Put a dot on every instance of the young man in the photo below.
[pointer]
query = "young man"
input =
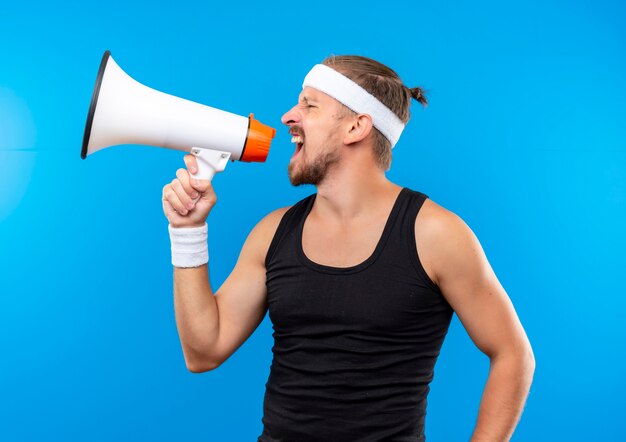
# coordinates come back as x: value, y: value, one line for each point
x: 361, y: 279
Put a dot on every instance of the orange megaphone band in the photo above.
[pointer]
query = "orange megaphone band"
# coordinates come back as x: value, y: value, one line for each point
x: 258, y: 141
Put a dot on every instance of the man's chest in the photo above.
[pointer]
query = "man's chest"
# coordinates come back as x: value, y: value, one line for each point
x: 341, y: 246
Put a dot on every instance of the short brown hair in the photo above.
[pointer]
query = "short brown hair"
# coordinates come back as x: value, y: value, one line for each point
x: 384, y: 84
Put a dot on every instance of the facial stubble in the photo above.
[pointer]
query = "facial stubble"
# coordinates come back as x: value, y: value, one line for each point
x: 314, y: 172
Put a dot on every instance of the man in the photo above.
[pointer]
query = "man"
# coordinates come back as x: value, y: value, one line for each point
x: 360, y: 279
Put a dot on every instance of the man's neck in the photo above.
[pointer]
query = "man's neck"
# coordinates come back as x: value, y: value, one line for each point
x: 351, y: 193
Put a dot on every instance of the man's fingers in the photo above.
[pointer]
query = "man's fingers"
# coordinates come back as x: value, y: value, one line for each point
x: 185, y: 199
x: 168, y: 209
x: 171, y: 195
x: 191, y: 163
x: 184, y: 178
x: 202, y: 186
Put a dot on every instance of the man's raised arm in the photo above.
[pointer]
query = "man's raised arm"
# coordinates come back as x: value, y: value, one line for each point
x: 212, y: 326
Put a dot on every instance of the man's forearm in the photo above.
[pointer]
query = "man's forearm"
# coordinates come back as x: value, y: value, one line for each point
x: 504, y: 396
x: 196, y: 316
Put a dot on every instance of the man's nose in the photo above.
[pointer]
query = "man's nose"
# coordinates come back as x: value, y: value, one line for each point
x: 291, y: 117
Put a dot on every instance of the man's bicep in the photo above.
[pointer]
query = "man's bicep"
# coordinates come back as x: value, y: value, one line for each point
x: 242, y: 298
x: 471, y: 287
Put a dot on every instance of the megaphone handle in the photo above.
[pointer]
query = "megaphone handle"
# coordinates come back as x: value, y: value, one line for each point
x: 209, y: 161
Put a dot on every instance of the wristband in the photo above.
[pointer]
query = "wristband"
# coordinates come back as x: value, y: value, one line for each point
x: 189, y: 246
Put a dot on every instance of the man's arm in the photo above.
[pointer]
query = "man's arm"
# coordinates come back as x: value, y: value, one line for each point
x: 467, y: 281
x: 212, y: 327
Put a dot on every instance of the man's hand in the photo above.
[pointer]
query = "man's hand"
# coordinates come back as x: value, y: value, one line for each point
x: 187, y: 201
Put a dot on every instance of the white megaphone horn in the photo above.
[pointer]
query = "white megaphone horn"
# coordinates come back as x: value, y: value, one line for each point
x: 124, y: 111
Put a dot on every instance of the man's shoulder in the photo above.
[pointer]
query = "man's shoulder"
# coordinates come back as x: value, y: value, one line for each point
x: 260, y: 238
x: 272, y: 219
x: 440, y: 224
x: 269, y: 223
x: 438, y: 233
x: 436, y: 219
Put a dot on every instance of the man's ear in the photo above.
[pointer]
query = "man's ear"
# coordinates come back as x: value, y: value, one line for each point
x: 359, y: 130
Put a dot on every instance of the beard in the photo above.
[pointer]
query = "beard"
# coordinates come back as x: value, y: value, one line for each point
x: 313, y: 172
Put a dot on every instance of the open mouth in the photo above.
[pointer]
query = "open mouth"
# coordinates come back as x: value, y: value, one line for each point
x: 299, y: 142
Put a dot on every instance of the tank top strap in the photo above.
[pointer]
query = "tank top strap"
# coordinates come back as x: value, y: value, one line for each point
x: 288, y: 224
x: 411, y: 205
x: 401, y: 246
x: 405, y: 212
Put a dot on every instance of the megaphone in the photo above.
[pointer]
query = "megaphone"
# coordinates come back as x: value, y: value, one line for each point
x: 124, y: 111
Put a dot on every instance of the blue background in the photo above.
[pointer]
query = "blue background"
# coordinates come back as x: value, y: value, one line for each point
x: 524, y: 138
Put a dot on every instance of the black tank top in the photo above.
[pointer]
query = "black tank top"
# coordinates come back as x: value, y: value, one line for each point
x: 355, y: 347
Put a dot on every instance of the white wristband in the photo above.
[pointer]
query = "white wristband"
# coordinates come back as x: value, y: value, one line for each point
x: 189, y: 246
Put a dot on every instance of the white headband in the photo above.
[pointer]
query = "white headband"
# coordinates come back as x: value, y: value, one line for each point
x: 350, y: 94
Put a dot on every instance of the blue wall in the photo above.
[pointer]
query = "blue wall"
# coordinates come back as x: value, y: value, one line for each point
x: 524, y: 139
